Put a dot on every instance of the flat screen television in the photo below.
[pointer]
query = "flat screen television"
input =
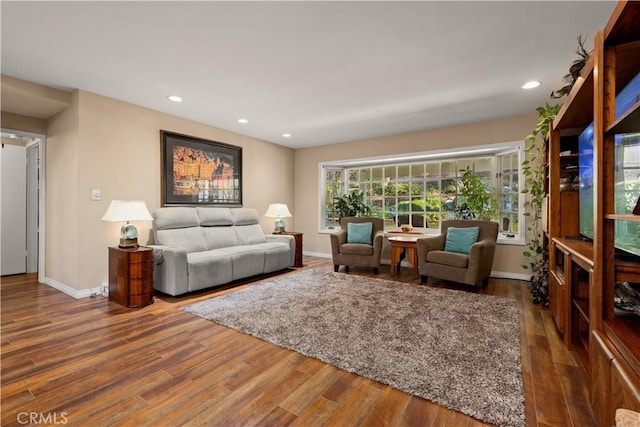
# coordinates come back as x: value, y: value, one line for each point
x: 626, y: 188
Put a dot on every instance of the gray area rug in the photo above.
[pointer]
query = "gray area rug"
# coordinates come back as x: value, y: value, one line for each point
x: 458, y: 349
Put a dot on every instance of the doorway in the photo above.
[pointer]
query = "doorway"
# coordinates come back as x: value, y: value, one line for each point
x: 22, y: 203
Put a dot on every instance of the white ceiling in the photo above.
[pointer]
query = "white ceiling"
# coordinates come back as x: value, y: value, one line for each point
x: 325, y: 72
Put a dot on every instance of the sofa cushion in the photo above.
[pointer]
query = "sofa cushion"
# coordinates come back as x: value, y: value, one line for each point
x: 277, y: 255
x: 208, y: 269
x: 460, y: 239
x: 359, y: 232
x: 248, y: 263
x: 356, y: 249
x: 245, y: 216
x: 219, y: 237
x: 249, y: 234
x: 191, y: 238
x: 452, y: 259
x: 246, y: 260
x: 169, y: 218
x: 214, y: 217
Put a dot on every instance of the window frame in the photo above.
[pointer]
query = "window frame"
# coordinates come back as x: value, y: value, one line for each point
x: 463, y: 153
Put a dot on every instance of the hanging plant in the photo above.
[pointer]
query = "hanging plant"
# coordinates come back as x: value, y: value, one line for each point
x: 533, y: 169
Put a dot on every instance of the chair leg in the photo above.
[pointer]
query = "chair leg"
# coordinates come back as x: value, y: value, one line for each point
x: 336, y: 267
x: 423, y: 279
x: 376, y: 270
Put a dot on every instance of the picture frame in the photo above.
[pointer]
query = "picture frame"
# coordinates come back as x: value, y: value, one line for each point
x: 199, y: 172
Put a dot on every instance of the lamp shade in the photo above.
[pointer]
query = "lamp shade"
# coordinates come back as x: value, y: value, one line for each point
x: 127, y: 210
x: 278, y: 210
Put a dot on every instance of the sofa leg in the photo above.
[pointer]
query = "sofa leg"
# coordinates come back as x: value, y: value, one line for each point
x: 423, y: 279
x: 376, y: 270
x: 336, y: 267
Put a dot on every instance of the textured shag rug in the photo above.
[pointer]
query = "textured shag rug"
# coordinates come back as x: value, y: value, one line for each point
x: 458, y: 349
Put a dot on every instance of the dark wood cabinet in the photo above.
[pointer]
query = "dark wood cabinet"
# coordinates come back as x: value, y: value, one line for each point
x: 131, y: 276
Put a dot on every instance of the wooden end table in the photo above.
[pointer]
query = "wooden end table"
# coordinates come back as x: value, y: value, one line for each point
x: 131, y: 276
x: 404, y: 247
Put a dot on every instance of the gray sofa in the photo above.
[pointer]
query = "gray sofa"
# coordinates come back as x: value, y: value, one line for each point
x: 197, y: 248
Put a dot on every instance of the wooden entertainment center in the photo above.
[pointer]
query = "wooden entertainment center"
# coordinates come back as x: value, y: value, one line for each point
x: 582, y: 274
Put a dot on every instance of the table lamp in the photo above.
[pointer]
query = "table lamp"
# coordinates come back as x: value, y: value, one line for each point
x: 127, y: 210
x: 279, y: 211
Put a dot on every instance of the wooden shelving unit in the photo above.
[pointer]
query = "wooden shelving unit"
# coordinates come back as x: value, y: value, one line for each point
x: 582, y: 275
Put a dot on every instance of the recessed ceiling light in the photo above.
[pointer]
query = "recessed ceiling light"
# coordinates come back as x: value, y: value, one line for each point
x: 286, y: 135
x: 243, y: 121
x: 531, y: 84
x: 174, y: 98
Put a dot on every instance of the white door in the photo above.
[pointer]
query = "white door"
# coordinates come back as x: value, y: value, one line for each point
x: 13, y: 250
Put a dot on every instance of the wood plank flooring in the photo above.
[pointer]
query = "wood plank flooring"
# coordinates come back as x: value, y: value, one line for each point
x: 94, y: 362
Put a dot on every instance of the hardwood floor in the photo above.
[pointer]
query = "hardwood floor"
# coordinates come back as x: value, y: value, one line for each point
x: 94, y: 362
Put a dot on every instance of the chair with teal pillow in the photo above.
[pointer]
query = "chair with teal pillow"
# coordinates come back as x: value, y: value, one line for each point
x: 358, y: 243
x: 462, y: 253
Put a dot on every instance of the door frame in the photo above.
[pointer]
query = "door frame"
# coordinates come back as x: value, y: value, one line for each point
x: 41, y: 196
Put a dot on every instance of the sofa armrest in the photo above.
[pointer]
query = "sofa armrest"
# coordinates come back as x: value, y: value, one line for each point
x: 170, y: 274
x: 284, y: 238
x: 427, y: 244
x: 481, y: 258
x: 378, y: 239
x: 338, y: 238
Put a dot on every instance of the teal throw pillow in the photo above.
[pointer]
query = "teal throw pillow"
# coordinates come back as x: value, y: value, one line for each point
x: 359, y: 232
x: 460, y: 239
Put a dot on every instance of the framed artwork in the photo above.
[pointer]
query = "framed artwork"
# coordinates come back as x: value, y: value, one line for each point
x: 199, y: 172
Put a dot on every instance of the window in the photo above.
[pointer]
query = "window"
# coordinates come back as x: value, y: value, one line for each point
x: 423, y: 189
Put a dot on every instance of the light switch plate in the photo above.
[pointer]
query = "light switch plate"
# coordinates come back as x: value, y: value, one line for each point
x: 96, y: 194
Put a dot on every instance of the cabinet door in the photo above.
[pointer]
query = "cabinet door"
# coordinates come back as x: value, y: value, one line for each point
x: 601, y: 358
x: 627, y: 389
x: 557, y: 301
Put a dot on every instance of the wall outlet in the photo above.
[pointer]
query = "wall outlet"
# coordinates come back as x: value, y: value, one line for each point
x: 96, y: 194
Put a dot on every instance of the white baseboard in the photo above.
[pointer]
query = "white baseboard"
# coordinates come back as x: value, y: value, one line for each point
x: 510, y: 275
x: 317, y: 254
x: 72, y: 292
x: 496, y: 274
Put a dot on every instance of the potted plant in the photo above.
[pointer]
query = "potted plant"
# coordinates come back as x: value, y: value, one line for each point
x: 533, y: 169
x: 351, y: 204
x: 480, y: 199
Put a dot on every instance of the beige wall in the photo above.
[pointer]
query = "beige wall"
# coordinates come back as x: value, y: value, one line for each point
x: 23, y: 123
x: 61, y: 202
x: 114, y: 146
x: 508, y: 257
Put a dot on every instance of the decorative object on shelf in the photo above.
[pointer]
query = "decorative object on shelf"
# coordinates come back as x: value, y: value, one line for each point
x: 279, y: 211
x: 480, y: 199
x: 199, y: 172
x: 533, y: 168
x: 127, y: 210
x: 406, y: 228
x: 626, y: 299
x: 351, y: 204
x: 574, y: 70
